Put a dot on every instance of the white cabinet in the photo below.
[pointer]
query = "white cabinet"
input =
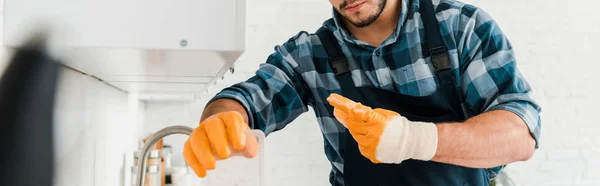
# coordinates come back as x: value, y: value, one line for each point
x: 154, y: 48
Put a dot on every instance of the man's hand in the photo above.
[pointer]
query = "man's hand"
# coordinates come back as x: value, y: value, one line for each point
x: 384, y: 136
x: 221, y: 134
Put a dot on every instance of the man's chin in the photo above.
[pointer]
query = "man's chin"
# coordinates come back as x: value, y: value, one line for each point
x: 360, y: 23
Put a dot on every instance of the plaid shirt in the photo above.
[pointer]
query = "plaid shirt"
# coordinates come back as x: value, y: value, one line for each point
x: 480, y: 55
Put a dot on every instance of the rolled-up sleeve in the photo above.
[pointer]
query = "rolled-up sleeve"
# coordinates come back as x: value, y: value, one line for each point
x: 489, y: 74
x: 276, y: 94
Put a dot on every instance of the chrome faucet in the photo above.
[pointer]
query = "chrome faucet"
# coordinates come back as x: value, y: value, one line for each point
x: 141, y: 173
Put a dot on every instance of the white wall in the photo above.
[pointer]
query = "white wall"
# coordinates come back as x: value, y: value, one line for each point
x: 556, y: 44
x: 556, y: 47
x: 95, y: 126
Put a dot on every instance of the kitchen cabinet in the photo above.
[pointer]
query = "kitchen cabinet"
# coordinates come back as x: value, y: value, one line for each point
x: 156, y: 49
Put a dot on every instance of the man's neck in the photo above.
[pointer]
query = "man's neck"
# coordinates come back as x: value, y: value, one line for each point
x: 382, y: 28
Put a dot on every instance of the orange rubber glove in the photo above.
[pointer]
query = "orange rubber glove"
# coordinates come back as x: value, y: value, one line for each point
x: 384, y: 136
x: 218, y: 137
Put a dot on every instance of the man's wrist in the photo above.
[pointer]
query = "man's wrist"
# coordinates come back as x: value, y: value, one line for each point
x: 222, y: 105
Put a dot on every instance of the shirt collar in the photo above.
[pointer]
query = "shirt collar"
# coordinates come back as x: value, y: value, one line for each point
x: 342, y: 33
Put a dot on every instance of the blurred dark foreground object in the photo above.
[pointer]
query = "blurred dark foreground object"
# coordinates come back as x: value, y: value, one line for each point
x: 27, y: 90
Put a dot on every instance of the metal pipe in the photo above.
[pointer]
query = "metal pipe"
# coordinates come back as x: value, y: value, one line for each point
x: 141, y: 173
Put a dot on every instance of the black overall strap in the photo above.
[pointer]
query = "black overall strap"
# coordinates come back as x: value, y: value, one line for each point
x: 438, y: 52
x: 337, y: 59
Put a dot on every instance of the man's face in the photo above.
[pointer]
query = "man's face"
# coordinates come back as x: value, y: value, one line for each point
x: 360, y: 13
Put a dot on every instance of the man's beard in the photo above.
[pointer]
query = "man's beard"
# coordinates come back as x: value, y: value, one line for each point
x: 369, y: 20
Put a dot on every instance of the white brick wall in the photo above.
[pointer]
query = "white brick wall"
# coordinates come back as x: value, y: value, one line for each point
x: 556, y: 44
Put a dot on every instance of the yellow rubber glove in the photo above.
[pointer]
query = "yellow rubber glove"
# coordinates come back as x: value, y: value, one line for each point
x: 218, y: 137
x: 384, y: 136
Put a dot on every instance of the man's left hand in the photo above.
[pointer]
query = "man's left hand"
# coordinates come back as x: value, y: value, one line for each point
x: 384, y: 136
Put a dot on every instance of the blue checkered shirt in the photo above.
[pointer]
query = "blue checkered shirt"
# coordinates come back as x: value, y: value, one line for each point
x: 290, y: 81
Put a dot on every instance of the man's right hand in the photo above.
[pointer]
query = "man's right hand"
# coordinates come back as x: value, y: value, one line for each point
x: 218, y: 137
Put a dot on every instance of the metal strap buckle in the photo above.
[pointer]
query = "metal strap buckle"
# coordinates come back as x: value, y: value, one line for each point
x: 440, y: 58
x: 339, y: 65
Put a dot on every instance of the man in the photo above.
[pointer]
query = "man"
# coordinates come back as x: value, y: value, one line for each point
x: 406, y: 92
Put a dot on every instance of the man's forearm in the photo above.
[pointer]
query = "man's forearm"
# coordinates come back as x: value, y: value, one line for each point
x: 222, y: 105
x: 491, y: 139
